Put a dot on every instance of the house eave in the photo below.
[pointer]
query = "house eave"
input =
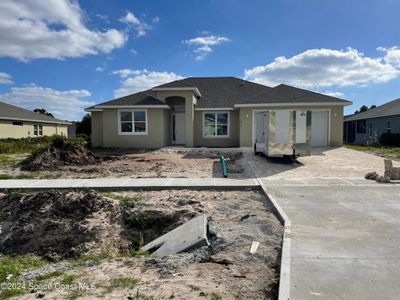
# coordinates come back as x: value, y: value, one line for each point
x: 100, y: 107
x: 294, y: 104
x: 35, y: 121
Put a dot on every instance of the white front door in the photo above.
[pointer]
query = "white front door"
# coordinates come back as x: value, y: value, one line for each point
x: 178, y: 128
x: 319, y: 128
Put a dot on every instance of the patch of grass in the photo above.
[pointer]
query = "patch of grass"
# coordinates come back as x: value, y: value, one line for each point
x: 215, y: 296
x: 383, y: 151
x: 194, y: 288
x: 24, y: 145
x: 8, y: 161
x: 123, y: 199
x: 123, y: 282
x: 55, y: 273
x: 74, y: 294
x: 20, y: 176
x: 16, y: 265
x: 69, y: 279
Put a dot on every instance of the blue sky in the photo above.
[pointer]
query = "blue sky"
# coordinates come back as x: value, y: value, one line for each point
x: 66, y: 55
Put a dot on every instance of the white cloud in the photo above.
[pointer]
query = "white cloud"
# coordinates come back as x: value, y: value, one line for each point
x: 139, y: 26
x: 332, y: 93
x: 326, y: 67
x: 65, y: 105
x: 133, y: 51
x: 31, y: 29
x: 204, y: 44
x: 392, y: 56
x: 5, y: 78
x: 99, y: 69
x: 123, y: 73
x: 142, y: 80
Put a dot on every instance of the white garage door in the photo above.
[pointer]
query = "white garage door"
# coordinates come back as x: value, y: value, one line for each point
x: 319, y: 128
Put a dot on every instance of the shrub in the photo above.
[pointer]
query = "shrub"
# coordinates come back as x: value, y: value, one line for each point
x: 390, y: 139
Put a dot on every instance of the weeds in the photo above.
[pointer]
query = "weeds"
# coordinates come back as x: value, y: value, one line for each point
x: 383, y: 151
x: 125, y: 200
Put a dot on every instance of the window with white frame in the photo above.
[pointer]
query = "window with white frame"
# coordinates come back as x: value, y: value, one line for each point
x: 38, y: 130
x: 388, y: 126
x: 215, y: 124
x: 133, y: 122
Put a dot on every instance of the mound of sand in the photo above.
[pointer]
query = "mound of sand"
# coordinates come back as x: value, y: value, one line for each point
x: 60, y: 153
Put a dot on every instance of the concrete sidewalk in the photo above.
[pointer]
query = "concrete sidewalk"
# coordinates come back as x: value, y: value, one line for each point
x: 130, y: 183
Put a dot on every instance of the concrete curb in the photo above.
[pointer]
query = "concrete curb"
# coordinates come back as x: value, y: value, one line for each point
x: 284, y: 281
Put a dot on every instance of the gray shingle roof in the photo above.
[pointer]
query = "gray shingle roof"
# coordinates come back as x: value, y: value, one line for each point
x: 388, y: 109
x: 11, y: 112
x: 289, y: 94
x: 142, y: 98
x: 217, y: 92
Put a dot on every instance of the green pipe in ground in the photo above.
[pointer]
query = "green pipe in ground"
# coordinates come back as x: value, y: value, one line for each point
x: 223, y: 165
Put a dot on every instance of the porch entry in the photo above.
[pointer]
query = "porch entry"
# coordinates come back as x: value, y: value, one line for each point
x: 178, y: 128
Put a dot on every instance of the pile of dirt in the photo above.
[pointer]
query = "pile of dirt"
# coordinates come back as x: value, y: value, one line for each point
x: 63, y: 224
x: 58, y: 224
x: 60, y: 153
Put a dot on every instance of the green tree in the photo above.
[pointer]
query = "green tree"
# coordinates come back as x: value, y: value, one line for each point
x: 85, y: 125
x: 364, y: 108
x: 43, y: 112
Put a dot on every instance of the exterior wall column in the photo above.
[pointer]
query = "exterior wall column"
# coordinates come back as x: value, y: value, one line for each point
x: 189, y: 121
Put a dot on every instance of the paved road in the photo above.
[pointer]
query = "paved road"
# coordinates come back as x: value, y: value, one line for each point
x: 345, y: 240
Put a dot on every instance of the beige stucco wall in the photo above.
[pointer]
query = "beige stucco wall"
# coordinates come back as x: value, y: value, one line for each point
x: 190, y: 101
x: 232, y: 141
x: 157, y: 136
x: 97, y: 129
x: 8, y: 130
x: 335, y: 126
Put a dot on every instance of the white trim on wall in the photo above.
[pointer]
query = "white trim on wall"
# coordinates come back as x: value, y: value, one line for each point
x: 133, y: 122
x: 215, y: 109
x: 216, y: 136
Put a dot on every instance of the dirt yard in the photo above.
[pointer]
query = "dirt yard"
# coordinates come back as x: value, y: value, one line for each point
x: 199, y: 163
x: 90, y: 242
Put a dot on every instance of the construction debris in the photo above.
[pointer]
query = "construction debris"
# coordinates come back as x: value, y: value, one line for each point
x: 254, y: 247
x: 371, y: 175
x: 391, y: 172
x: 191, y: 235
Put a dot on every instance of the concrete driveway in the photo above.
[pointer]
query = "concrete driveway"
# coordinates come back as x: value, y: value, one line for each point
x: 345, y: 241
x: 345, y: 234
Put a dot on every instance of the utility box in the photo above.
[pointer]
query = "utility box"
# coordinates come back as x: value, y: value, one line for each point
x: 280, y: 133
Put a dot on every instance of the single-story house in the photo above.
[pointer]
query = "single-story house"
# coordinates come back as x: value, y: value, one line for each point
x: 16, y: 122
x: 368, y: 126
x: 209, y: 112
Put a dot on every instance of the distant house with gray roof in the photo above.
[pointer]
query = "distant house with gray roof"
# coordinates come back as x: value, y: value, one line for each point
x: 17, y: 122
x: 367, y: 127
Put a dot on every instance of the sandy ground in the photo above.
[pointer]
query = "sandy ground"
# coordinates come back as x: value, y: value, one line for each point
x: 230, y: 272
x: 159, y: 164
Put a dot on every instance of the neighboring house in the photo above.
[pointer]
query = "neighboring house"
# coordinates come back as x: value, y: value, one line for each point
x: 16, y: 122
x: 368, y: 126
x: 209, y: 112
